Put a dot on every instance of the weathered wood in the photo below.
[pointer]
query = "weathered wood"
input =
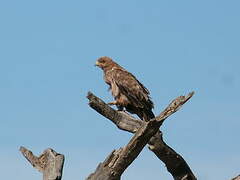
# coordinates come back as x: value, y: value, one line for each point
x: 50, y: 163
x: 236, y: 178
x: 118, y: 161
x: 174, y: 162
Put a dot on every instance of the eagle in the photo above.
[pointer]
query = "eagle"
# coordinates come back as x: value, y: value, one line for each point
x: 127, y: 91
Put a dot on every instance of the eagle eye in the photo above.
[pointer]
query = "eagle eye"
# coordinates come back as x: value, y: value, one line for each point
x: 102, y: 60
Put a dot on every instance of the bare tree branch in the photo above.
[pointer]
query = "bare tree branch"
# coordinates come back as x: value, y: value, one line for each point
x: 119, y: 160
x: 236, y: 178
x: 50, y: 163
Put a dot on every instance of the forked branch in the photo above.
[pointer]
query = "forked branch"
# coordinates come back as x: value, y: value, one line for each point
x: 118, y: 161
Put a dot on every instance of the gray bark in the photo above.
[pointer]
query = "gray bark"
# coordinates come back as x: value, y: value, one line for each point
x: 146, y: 132
x: 49, y: 163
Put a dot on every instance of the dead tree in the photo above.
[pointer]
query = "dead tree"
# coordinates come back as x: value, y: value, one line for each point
x: 50, y: 163
x: 145, y: 132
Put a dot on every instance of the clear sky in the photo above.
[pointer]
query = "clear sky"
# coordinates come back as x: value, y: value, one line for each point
x: 47, y: 55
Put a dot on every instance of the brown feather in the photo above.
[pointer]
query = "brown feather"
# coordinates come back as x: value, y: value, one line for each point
x: 126, y: 89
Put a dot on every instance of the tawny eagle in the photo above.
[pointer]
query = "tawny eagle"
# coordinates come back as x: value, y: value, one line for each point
x: 127, y: 91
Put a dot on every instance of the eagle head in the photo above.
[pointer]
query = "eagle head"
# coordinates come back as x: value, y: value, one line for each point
x: 104, y: 62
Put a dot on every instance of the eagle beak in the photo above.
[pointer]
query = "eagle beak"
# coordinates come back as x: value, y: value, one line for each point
x: 97, y: 63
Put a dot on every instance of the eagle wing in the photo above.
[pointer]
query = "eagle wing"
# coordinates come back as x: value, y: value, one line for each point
x: 127, y: 84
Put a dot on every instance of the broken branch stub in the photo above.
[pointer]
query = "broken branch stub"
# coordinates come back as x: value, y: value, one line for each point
x: 50, y: 163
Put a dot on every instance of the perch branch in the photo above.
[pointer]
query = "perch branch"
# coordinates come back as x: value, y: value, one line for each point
x: 119, y: 160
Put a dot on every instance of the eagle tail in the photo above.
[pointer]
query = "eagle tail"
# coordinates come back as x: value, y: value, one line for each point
x: 143, y: 114
x: 148, y: 115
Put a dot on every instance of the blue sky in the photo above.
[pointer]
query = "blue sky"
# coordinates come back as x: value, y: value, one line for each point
x: 48, y: 49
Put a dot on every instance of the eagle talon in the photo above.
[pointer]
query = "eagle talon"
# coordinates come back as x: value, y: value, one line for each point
x: 123, y: 110
x: 112, y: 103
